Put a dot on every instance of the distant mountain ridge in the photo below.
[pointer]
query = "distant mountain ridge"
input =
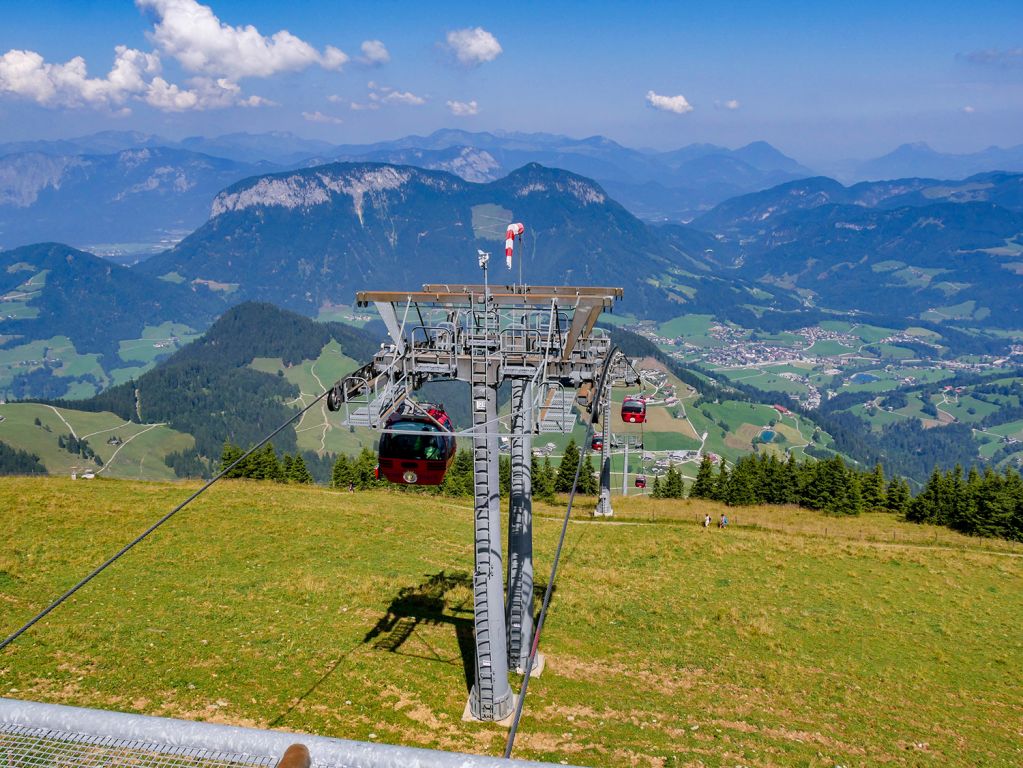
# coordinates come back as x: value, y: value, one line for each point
x: 757, y: 211
x: 133, y: 195
x: 919, y: 159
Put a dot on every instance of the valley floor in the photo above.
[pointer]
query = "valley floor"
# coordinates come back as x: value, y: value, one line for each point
x: 787, y: 639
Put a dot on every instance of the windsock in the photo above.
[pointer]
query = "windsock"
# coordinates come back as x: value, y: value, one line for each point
x: 509, y: 243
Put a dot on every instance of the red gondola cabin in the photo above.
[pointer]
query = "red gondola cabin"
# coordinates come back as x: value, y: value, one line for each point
x: 417, y: 451
x: 597, y: 443
x: 634, y: 410
x: 641, y: 481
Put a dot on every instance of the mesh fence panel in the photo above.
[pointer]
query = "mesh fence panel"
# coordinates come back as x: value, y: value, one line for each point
x: 22, y: 747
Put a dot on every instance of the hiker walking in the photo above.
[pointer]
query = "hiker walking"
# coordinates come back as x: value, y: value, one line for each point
x: 706, y: 521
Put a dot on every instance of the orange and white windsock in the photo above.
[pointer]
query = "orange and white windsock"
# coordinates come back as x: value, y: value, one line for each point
x: 509, y: 243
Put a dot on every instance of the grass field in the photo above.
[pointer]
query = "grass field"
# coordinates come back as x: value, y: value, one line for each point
x: 790, y: 639
x: 140, y: 454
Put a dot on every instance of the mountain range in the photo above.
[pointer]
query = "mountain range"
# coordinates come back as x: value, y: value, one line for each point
x: 124, y: 193
x: 308, y: 239
x: 935, y: 250
x: 143, y: 195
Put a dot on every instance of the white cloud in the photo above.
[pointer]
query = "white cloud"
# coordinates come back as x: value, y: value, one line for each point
x: 384, y: 94
x: 676, y: 104
x: 363, y: 106
x: 28, y: 75
x: 319, y: 117
x: 203, y: 93
x: 192, y: 34
x: 969, y: 110
x: 729, y: 104
x: 335, y: 99
x: 374, y: 53
x: 464, y: 108
x: 474, y: 46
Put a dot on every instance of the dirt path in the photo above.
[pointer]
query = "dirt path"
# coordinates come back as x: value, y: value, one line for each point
x: 61, y: 417
x: 114, y: 454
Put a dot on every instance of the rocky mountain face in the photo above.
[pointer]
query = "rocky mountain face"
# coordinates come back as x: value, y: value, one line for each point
x: 310, y: 238
x: 134, y: 195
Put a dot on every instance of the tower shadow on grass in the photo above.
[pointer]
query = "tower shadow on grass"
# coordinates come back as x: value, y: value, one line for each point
x: 444, y: 598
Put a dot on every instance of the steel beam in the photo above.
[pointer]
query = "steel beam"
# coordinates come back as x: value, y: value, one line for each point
x: 519, y: 606
x: 604, y: 501
x: 491, y: 696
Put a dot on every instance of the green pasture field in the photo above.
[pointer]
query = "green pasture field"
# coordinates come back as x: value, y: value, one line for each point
x: 789, y: 639
x: 144, y: 351
x: 694, y: 328
x: 319, y: 430
x: 140, y: 455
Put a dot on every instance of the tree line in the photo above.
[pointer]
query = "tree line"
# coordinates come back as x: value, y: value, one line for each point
x: 264, y: 465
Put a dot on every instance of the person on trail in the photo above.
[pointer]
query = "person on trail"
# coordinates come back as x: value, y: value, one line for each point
x: 351, y: 486
x: 723, y: 522
x: 706, y: 521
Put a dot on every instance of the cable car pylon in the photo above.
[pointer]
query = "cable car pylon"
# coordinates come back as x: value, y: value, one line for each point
x: 543, y: 341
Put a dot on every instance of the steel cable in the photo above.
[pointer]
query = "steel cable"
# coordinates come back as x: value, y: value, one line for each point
x: 97, y: 571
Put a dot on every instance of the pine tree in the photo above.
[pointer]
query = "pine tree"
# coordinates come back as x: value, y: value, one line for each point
x: 741, y: 490
x: 342, y: 473
x: 674, y: 487
x: 299, y: 472
x: 228, y: 455
x: 656, y: 491
x: 721, y: 483
x: 703, y: 487
x: 872, y: 488
x: 542, y: 488
x: 365, y: 470
x: 589, y: 478
x: 897, y: 497
x: 566, y: 469
x: 264, y: 465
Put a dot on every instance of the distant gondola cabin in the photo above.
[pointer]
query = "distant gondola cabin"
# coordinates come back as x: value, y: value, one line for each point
x: 416, y: 449
x: 634, y: 410
x: 641, y: 481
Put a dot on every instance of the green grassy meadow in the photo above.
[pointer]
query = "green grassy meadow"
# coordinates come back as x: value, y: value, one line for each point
x: 789, y: 639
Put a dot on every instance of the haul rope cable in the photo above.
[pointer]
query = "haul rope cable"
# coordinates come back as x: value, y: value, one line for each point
x: 594, y: 409
x: 97, y: 571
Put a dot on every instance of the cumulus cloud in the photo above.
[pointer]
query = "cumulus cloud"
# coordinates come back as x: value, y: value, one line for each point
x: 463, y: 108
x: 202, y: 93
x: 473, y: 46
x: 191, y: 33
x: 676, y: 104
x: 969, y: 110
x: 994, y: 57
x: 729, y: 104
x: 319, y: 117
x: 384, y: 94
x: 28, y: 75
x: 374, y: 53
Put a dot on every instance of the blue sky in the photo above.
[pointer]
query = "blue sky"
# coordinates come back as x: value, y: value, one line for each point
x: 822, y: 81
